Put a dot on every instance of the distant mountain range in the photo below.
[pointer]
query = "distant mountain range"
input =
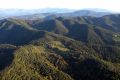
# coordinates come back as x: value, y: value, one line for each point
x: 50, y: 12
x: 21, y: 12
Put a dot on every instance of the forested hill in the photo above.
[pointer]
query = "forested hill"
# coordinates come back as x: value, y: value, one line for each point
x: 60, y: 48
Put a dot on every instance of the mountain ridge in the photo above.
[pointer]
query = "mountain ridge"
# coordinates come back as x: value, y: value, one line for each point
x: 61, y: 48
x: 20, y: 13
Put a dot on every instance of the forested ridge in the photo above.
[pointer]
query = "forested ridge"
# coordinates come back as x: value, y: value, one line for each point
x: 75, y: 48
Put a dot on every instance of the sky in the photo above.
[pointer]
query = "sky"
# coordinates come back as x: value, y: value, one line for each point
x: 112, y: 5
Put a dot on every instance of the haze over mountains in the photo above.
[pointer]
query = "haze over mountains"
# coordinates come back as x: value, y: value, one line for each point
x: 5, y: 13
x: 60, y: 44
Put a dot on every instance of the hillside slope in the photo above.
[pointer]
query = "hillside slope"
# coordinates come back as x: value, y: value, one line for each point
x: 78, y: 48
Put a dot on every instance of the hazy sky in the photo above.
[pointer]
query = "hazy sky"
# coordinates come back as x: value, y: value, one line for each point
x: 113, y: 5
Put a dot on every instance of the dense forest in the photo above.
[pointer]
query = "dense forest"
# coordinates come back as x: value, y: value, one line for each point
x: 60, y: 48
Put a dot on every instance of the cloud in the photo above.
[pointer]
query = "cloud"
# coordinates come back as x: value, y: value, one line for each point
x: 72, y: 4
